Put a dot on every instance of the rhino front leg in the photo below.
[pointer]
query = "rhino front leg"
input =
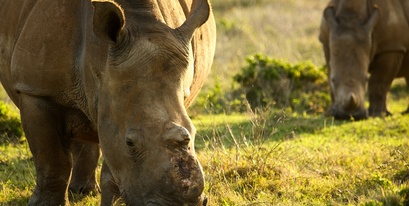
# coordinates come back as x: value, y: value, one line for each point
x: 110, y: 191
x: 85, y: 160
x: 383, y: 70
x: 42, y: 123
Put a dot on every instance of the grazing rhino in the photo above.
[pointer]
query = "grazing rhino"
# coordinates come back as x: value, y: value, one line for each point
x: 121, y: 74
x: 366, y: 44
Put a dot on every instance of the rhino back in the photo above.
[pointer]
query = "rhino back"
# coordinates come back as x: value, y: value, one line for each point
x: 392, y: 31
x: 43, y: 46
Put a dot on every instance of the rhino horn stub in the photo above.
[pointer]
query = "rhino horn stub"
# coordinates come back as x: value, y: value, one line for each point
x: 352, y: 102
x: 198, y: 15
x: 176, y: 136
x: 109, y: 20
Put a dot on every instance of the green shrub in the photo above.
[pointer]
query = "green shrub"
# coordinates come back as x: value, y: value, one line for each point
x: 10, y: 124
x: 302, y: 86
x: 217, y: 101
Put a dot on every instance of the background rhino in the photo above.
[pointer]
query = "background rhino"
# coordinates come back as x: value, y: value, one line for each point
x: 362, y: 37
x: 118, y: 74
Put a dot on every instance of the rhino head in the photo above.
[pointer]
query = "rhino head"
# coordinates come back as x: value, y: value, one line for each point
x: 144, y: 131
x: 349, y: 43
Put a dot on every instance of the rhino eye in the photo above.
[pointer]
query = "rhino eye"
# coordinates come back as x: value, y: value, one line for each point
x: 129, y: 142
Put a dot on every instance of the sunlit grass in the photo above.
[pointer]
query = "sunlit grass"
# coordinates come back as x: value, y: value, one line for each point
x: 281, y: 29
x: 351, y: 163
x: 272, y: 157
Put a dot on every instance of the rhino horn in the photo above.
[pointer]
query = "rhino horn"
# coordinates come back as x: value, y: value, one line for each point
x: 109, y: 20
x: 199, y: 14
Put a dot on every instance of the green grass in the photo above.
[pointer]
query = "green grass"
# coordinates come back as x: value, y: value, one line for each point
x: 272, y: 157
x: 309, y: 160
x: 267, y: 157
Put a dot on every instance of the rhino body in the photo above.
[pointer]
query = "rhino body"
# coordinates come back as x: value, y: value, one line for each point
x: 120, y: 74
x: 366, y: 46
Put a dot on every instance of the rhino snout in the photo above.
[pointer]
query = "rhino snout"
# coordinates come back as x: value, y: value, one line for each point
x: 347, y: 106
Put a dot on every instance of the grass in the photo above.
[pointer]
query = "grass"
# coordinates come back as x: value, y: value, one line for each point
x: 272, y: 157
x: 266, y: 157
x: 309, y: 160
x: 282, y: 29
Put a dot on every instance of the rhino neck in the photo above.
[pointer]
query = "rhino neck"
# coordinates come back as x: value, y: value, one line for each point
x: 90, y: 59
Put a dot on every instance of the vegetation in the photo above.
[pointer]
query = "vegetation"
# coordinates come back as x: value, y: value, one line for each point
x: 10, y: 124
x: 302, y: 86
x: 319, y: 162
x: 263, y: 157
x: 287, y: 153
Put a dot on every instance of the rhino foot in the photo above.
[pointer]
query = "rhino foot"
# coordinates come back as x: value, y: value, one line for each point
x: 88, y: 188
x: 48, y: 198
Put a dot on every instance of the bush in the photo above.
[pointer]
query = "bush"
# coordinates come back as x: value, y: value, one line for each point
x: 217, y: 101
x: 10, y: 124
x: 302, y: 86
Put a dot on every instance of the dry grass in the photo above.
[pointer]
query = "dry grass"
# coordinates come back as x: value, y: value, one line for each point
x: 282, y: 29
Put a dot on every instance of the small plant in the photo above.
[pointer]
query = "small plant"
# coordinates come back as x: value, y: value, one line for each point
x: 10, y: 124
x: 302, y: 86
x: 217, y: 101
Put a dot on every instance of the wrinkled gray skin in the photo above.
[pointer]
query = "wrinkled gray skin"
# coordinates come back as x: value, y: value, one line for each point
x: 365, y: 44
x: 118, y: 74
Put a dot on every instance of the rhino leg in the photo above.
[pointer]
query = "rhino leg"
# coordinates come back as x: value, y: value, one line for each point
x: 109, y: 189
x: 384, y: 69
x: 407, y: 89
x: 85, y: 159
x: 42, y: 124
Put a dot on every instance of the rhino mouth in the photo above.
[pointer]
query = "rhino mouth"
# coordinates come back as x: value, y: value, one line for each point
x: 356, y: 115
x: 187, y: 176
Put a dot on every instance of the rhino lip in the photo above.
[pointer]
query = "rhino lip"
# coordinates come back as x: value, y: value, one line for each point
x: 358, y: 115
x: 184, y: 167
x: 187, y: 176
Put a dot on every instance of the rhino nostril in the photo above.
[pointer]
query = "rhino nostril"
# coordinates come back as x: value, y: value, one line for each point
x: 129, y: 142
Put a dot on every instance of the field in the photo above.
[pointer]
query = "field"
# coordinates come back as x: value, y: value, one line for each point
x: 271, y: 156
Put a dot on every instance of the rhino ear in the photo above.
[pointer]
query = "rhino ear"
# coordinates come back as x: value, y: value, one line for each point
x: 329, y: 15
x: 198, y: 15
x: 373, y: 20
x: 109, y: 20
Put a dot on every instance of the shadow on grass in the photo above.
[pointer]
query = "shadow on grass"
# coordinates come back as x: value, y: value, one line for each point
x: 273, y: 127
x: 17, y: 201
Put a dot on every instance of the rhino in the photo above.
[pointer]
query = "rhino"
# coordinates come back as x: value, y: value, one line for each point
x: 365, y: 43
x: 116, y: 76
